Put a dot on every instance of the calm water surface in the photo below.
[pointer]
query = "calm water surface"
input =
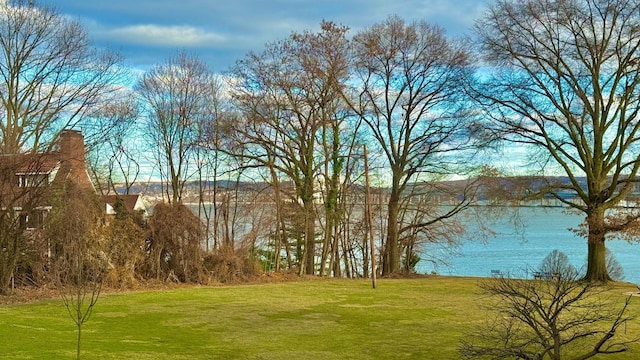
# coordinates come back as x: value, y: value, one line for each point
x: 519, y: 249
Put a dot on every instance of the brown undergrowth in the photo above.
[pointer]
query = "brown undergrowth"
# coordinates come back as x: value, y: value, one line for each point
x: 30, y: 294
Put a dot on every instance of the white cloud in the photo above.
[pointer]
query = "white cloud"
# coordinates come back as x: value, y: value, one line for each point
x: 147, y: 31
x: 169, y: 36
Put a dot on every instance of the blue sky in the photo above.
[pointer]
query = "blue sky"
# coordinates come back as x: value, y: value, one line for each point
x: 148, y: 32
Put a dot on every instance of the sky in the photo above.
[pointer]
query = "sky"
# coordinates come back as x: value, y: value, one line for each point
x: 220, y: 32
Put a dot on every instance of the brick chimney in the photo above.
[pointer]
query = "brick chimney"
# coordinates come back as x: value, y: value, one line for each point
x: 72, y: 158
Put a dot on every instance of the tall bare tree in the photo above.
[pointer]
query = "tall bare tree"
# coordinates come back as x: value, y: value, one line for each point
x: 178, y: 96
x: 408, y: 89
x: 287, y: 94
x: 565, y: 82
x: 324, y: 58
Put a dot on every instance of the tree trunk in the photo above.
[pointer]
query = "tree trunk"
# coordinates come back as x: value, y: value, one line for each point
x: 78, y: 341
x: 8, y: 265
x: 287, y: 250
x: 391, y: 258
x: 204, y: 207
x: 326, y: 243
x: 335, y: 258
x: 6, y: 277
x: 280, y: 229
x: 347, y: 258
x: 79, y: 299
x: 309, y: 236
x: 596, y: 259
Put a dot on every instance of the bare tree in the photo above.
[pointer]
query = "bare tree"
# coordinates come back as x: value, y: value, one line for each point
x: 75, y: 231
x: 287, y: 95
x: 564, y: 83
x: 558, y: 318
x: 178, y: 95
x: 408, y: 88
x: 324, y: 58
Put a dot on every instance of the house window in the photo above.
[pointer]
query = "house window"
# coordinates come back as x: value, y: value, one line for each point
x: 32, y: 220
x: 33, y: 180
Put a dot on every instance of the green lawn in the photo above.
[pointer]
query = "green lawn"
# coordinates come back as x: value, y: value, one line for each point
x: 323, y: 319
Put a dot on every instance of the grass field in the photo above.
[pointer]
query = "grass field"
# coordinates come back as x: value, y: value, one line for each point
x: 315, y: 319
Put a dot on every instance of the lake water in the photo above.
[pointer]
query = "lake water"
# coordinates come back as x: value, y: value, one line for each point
x: 517, y: 250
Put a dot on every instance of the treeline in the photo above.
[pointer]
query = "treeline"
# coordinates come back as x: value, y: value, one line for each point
x: 557, y: 80
x: 297, y: 116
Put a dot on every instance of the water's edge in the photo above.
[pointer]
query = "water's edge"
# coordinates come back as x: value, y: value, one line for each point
x: 519, y: 251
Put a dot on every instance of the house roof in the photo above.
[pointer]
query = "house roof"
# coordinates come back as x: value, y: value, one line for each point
x: 130, y: 201
x: 20, y: 188
x: 37, y: 164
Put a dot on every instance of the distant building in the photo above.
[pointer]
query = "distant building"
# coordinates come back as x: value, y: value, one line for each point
x: 129, y: 203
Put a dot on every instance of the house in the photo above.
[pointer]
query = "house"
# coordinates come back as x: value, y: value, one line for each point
x: 28, y: 180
